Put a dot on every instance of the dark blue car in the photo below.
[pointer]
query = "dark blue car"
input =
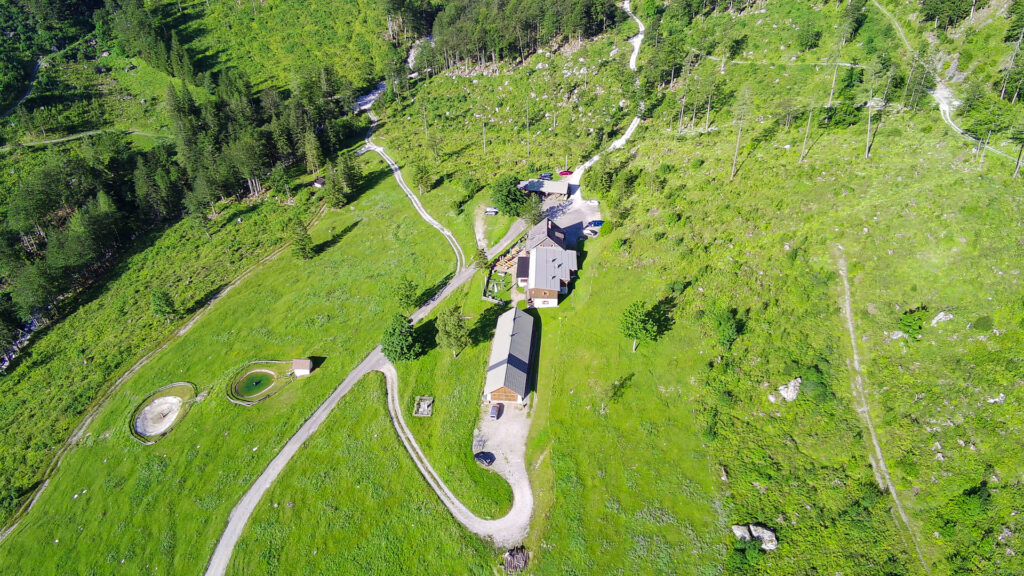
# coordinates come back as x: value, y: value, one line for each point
x: 484, y: 458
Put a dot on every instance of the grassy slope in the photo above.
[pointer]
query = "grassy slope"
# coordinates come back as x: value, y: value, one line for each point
x: 286, y: 37
x: 195, y: 475
x: 69, y: 364
x: 622, y: 480
x: 586, y: 107
x: 920, y: 226
x: 456, y: 384
x: 334, y: 512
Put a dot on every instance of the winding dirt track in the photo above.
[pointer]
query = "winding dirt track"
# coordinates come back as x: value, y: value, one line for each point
x: 942, y: 94
x: 506, y: 531
x: 860, y: 401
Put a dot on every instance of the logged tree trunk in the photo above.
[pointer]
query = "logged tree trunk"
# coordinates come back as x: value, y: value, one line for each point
x: 736, y: 152
x: 1009, y: 69
x: 867, y: 144
x: 1016, y: 171
x: 803, y: 151
x: 833, y: 91
x: 634, y: 345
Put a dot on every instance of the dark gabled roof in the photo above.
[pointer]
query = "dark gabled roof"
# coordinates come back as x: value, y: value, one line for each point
x: 509, y: 364
x: 544, y: 230
x: 522, y: 267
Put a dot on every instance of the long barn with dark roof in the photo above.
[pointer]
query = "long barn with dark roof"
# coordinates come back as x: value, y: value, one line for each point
x: 509, y: 366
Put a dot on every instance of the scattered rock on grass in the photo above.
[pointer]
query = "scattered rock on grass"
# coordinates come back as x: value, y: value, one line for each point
x: 941, y: 317
x: 747, y: 532
x: 790, y: 391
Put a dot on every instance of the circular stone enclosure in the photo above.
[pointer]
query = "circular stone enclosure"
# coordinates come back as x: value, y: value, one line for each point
x: 253, y: 384
x: 259, y: 380
x: 158, y: 414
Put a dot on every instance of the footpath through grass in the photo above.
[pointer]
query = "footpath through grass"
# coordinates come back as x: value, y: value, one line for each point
x: 162, y: 508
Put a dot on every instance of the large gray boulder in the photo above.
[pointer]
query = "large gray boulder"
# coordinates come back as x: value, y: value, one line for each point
x: 742, y: 532
x: 765, y: 535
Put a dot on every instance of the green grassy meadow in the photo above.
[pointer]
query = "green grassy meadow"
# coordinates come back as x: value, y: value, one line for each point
x: 277, y: 42
x: 456, y: 385
x: 572, y: 101
x: 334, y: 511
x: 192, y: 478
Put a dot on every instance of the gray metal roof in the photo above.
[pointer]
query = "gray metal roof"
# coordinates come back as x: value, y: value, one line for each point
x: 544, y: 230
x: 550, y: 268
x: 509, y: 364
x: 560, y: 187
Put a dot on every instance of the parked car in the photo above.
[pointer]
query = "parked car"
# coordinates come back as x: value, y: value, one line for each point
x: 490, y: 211
x: 565, y: 173
x: 594, y: 224
x: 547, y: 176
x: 496, y: 410
x: 484, y: 458
x: 593, y: 202
x: 590, y: 232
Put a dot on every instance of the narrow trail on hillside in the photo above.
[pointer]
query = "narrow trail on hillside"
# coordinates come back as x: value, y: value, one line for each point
x: 577, y: 174
x: 857, y: 384
x: 28, y: 91
x: 79, y: 431
x: 942, y: 94
x: 397, y: 172
x: 77, y: 136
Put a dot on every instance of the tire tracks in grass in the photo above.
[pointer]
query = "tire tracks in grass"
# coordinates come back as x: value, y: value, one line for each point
x: 857, y: 384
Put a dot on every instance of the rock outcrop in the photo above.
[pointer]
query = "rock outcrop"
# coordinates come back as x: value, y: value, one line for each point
x: 742, y: 532
x: 747, y: 532
x: 789, y: 391
x: 765, y: 535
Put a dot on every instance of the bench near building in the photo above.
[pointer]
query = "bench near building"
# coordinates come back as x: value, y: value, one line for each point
x: 509, y: 366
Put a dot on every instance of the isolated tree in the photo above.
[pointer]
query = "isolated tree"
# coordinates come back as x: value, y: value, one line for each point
x: 421, y: 177
x: 311, y: 150
x: 1017, y: 137
x: 302, y: 244
x: 480, y: 259
x: 163, y: 305
x: 452, y: 332
x: 334, y: 190
x: 350, y: 173
x: 742, y: 111
x: 399, y: 342
x: 407, y: 292
x: 533, y: 211
x: 638, y: 324
x: 808, y: 36
x: 507, y: 197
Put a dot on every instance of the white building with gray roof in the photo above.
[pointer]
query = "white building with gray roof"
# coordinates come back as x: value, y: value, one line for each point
x: 551, y: 270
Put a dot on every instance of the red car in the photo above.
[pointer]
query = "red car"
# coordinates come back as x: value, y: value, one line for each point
x: 565, y: 173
